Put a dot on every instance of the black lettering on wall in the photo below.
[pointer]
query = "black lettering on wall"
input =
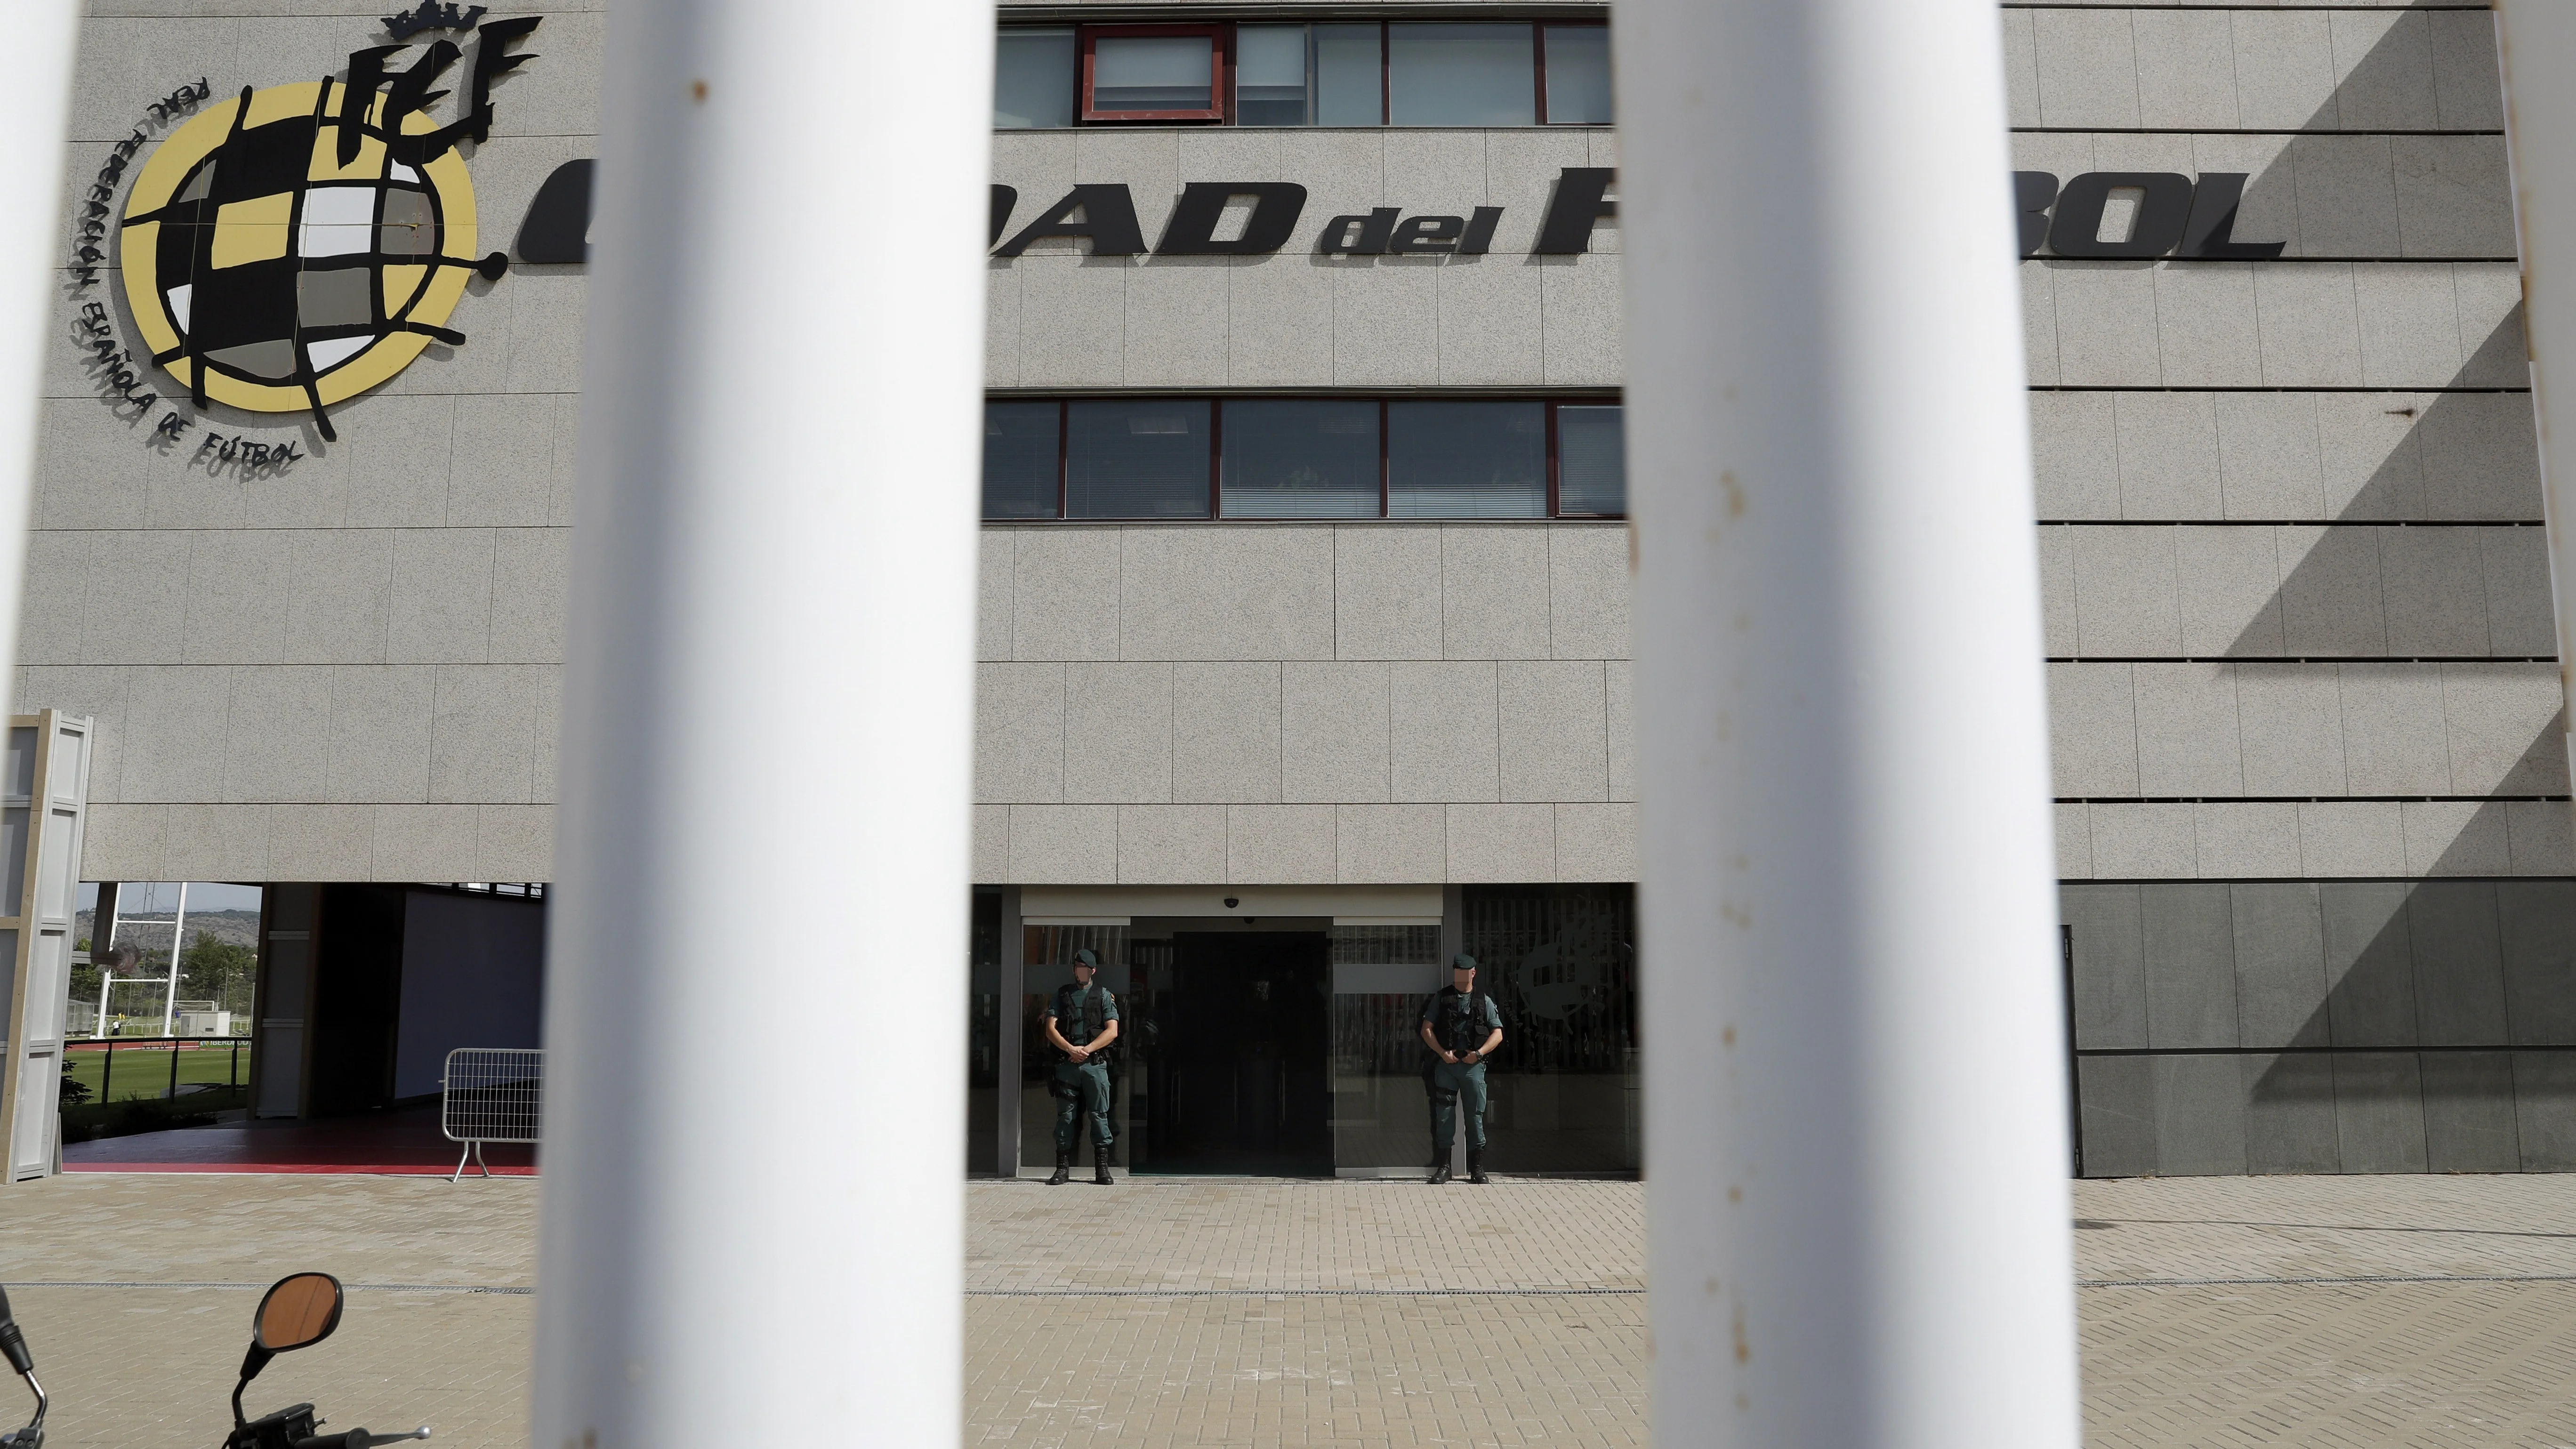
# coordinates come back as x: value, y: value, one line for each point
x: 1480, y: 231
x: 1567, y: 229
x: 492, y: 61
x: 558, y: 226
x: 2212, y: 227
x: 2032, y: 192
x: 1004, y: 198
x: 366, y: 77
x: 1192, y: 230
x: 1427, y: 234
x: 411, y: 93
x: 2162, y: 212
x: 1358, y: 236
x: 1108, y: 220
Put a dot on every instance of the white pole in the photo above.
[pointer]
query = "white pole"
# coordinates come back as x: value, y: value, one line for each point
x: 178, y: 937
x: 35, y: 113
x: 769, y: 696
x: 1856, y: 1115
x: 2536, y: 51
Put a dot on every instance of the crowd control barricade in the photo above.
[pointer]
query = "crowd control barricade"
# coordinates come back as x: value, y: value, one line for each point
x: 491, y: 1094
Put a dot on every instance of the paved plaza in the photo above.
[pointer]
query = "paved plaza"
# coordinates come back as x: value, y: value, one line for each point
x: 2325, y: 1311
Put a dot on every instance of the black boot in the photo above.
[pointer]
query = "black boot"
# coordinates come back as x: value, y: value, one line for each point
x: 1100, y: 1164
x: 1063, y: 1169
x: 1439, y: 1168
x: 1476, y: 1165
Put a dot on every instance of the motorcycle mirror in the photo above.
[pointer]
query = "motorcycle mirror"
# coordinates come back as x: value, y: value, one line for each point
x: 300, y: 1309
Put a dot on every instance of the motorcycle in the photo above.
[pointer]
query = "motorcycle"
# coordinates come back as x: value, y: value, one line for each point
x: 298, y: 1311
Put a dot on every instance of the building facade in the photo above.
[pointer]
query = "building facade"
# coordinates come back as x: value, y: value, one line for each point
x: 2307, y: 741
x: 1304, y: 607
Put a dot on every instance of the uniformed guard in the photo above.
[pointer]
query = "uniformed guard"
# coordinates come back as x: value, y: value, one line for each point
x: 1082, y: 1021
x: 1462, y: 1026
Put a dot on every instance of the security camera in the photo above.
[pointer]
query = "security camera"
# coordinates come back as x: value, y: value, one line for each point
x: 1230, y: 903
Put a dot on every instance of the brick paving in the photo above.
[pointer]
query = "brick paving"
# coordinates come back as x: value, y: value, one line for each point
x: 2351, y: 1311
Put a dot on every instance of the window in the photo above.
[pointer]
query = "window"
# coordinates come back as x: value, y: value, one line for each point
x: 1350, y: 75
x: 1033, y: 74
x: 1466, y: 460
x: 1576, y: 62
x: 1153, y: 72
x: 1293, y: 458
x: 1300, y: 459
x: 1331, y: 73
x: 1270, y: 70
x: 1022, y: 472
x: 1461, y: 75
x: 1591, y: 461
x: 1137, y: 458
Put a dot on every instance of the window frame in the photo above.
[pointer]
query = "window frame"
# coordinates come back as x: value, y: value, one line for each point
x: 1556, y: 453
x: 1223, y: 113
x: 1550, y: 403
x: 1220, y: 36
x: 1064, y: 459
x: 1538, y: 38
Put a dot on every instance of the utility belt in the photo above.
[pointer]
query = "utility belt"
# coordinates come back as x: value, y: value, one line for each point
x: 1431, y: 1078
x: 1066, y: 1080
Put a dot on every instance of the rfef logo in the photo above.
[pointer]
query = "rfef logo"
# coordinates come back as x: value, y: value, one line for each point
x: 293, y: 247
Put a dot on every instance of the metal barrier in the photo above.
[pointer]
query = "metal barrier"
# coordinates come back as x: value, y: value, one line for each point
x: 492, y: 1094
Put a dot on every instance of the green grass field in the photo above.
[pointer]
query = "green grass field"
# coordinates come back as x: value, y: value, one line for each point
x: 144, y: 1072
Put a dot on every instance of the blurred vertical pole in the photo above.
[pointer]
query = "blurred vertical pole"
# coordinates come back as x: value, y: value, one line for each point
x: 35, y: 113
x: 35, y: 109
x: 768, y: 697
x: 1856, y: 1103
x: 2536, y: 51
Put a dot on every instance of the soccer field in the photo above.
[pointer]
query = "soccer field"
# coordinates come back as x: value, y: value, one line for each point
x: 143, y: 1071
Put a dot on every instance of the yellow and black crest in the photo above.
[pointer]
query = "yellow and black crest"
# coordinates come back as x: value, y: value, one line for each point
x: 295, y: 246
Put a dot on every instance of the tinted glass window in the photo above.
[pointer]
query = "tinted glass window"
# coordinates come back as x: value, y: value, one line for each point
x: 1466, y: 460
x: 1461, y: 75
x: 1591, y: 460
x: 1153, y: 73
x: 1033, y: 79
x: 1019, y: 459
x: 1137, y: 458
x: 1578, y: 75
x: 1301, y: 459
x: 1270, y: 75
x: 1349, y: 80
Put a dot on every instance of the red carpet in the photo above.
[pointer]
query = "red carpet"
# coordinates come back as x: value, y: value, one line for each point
x: 404, y: 1142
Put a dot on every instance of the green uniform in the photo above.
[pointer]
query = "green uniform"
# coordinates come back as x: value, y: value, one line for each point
x: 1455, y: 1021
x: 1081, y: 1013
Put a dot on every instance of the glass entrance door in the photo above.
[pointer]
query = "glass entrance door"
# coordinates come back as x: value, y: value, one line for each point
x: 1238, y: 1054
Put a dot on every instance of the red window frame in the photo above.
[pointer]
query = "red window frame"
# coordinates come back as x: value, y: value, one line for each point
x: 1220, y: 77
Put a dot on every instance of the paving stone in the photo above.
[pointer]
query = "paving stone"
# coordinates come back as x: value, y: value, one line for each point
x: 2315, y: 1311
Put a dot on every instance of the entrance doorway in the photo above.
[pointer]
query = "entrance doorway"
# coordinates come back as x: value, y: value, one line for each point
x: 1238, y: 1052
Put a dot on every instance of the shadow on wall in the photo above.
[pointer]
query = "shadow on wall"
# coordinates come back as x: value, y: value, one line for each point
x: 2429, y: 1026
x: 2359, y: 1025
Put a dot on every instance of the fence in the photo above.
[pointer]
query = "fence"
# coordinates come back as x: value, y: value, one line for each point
x: 172, y: 1069
x: 492, y: 1094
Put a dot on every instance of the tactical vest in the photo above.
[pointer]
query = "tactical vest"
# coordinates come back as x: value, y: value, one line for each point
x: 1460, y: 1032
x: 1095, y: 1013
